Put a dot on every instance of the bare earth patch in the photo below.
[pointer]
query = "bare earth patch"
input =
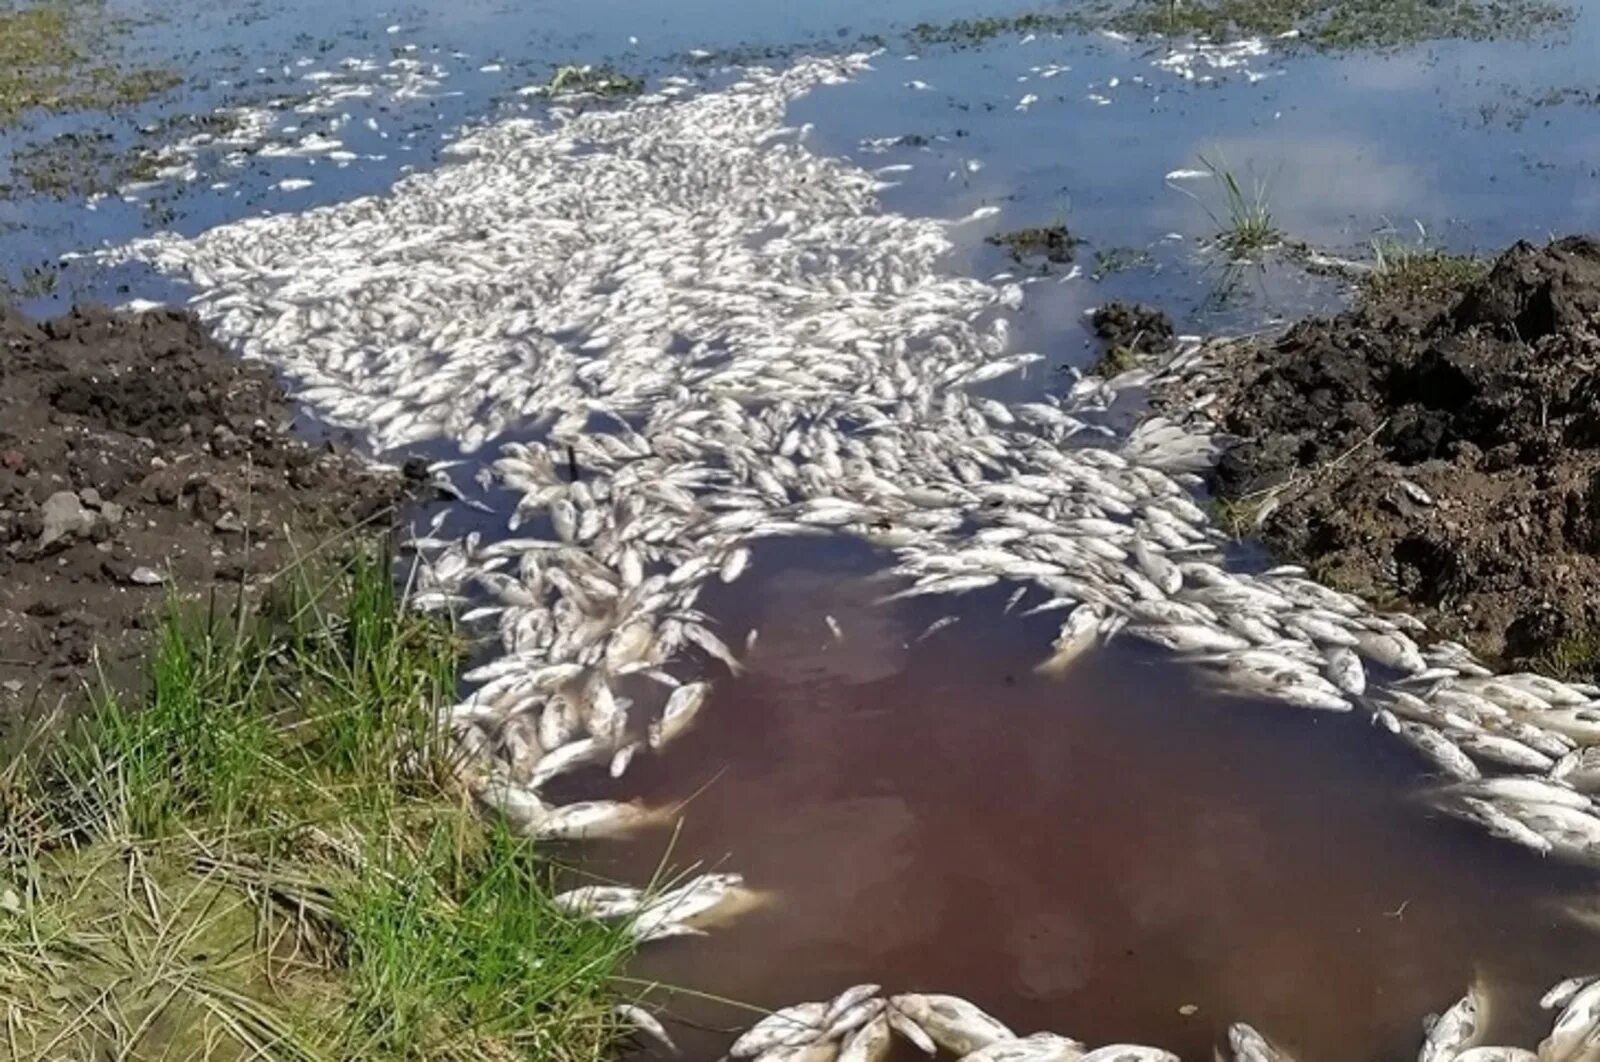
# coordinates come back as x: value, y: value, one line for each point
x: 1439, y: 449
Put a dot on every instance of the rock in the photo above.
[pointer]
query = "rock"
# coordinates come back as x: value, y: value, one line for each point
x: 90, y: 497
x: 145, y: 576
x: 12, y: 685
x: 12, y: 460
x: 229, y: 524
x: 112, y: 513
x: 63, y: 515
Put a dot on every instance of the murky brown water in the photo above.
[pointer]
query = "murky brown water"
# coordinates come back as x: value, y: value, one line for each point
x: 1086, y: 856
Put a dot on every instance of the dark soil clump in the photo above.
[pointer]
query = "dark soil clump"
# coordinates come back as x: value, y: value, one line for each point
x: 1131, y: 333
x: 1440, y: 452
x: 1053, y: 243
x: 136, y: 453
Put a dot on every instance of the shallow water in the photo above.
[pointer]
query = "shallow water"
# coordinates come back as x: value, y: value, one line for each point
x: 1087, y: 854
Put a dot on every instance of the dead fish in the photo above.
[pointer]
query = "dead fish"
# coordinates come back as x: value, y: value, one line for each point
x: 820, y: 1051
x: 870, y: 1043
x: 623, y: 757
x: 1078, y: 633
x: 910, y: 1030
x: 951, y: 1022
x: 713, y: 645
x: 1161, y: 571
x: 1561, y: 993
x: 1500, y: 824
x: 1129, y: 1053
x: 646, y: 1023
x: 1391, y: 650
x: 679, y: 714
x: 567, y: 758
x: 788, y: 1027
x: 1439, y: 750
x: 935, y: 627
x: 1345, y: 671
x: 847, y: 999
x: 1579, y: 769
x: 522, y: 808
x: 1250, y: 1046
x: 1190, y: 639
x: 852, y: 1019
x: 1505, y: 751
x: 1530, y: 791
x: 595, y: 818
x: 1574, y: 1034
x: 1040, y: 1047
x: 602, y: 902
x: 1455, y: 1030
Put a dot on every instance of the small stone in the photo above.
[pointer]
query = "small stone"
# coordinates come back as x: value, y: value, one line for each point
x: 63, y: 515
x: 12, y: 685
x: 156, y: 462
x: 90, y: 497
x: 12, y: 460
x: 145, y: 576
x: 229, y: 524
x: 1188, y: 1009
x: 112, y: 513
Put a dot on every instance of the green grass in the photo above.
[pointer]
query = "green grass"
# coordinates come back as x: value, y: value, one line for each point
x: 1413, y: 270
x: 1245, y: 228
x: 1575, y: 657
x: 268, y: 855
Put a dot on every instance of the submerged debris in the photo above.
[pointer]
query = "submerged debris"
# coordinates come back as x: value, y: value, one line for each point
x: 1053, y: 243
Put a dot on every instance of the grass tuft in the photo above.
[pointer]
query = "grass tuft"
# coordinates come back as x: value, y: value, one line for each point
x: 267, y: 855
x: 1245, y: 229
x: 1413, y: 270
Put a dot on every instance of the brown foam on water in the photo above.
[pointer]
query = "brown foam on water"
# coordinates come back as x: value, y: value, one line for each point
x: 1085, y: 855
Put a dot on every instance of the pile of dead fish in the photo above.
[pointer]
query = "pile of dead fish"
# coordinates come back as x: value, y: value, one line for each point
x: 860, y: 1024
x: 716, y: 338
x: 728, y: 341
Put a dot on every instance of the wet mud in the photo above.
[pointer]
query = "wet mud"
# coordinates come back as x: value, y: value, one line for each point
x: 136, y: 454
x: 1439, y: 450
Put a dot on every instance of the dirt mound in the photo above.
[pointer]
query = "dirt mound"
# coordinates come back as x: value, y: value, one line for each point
x: 135, y: 451
x: 1441, y: 456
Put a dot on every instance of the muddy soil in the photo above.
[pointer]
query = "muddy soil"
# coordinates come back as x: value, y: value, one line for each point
x: 1440, y: 453
x: 137, y: 454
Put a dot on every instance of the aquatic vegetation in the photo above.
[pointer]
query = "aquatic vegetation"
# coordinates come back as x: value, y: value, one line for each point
x: 1050, y: 242
x: 1245, y: 228
x: 269, y: 853
x: 52, y: 58
x: 601, y: 81
x: 1109, y: 261
x: 1323, y: 24
x: 968, y: 32
x: 78, y: 164
x: 1117, y: 359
